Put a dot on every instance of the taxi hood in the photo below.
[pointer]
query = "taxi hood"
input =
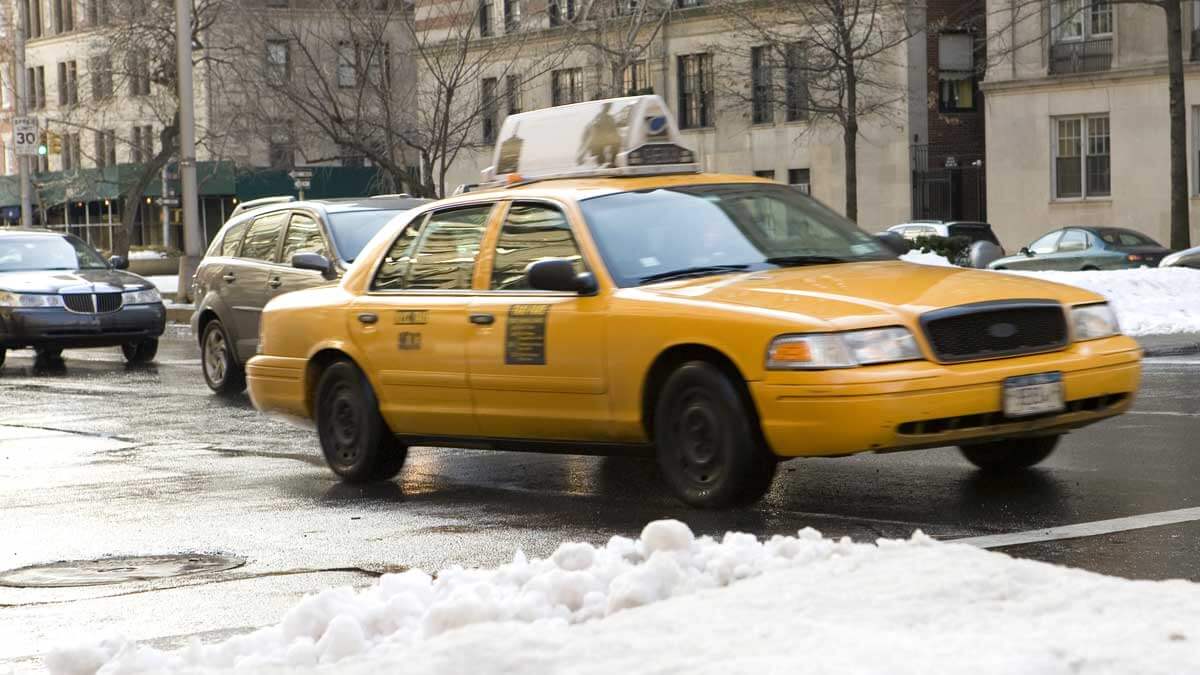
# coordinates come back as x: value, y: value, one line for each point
x: 865, y: 294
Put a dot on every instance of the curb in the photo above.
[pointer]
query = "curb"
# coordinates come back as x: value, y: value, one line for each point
x: 179, y: 314
x: 1170, y: 345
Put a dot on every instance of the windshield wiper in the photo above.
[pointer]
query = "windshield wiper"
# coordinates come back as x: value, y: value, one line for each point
x: 701, y: 271
x: 801, y: 260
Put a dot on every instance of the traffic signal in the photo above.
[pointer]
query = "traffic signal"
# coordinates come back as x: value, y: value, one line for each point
x: 43, y: 148
x: 55, y: 143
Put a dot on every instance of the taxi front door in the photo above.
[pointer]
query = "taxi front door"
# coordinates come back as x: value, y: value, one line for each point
x: 412, y: 325
x: 536, y: 359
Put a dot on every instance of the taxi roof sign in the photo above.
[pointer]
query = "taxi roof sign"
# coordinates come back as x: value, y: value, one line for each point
x: 634, y: 135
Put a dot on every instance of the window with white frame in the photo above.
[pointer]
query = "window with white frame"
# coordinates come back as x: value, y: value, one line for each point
x: 1075, y: 20
x: 1082, y: 157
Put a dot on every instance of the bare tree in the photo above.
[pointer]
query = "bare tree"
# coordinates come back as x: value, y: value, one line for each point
x: 839, y: 60
x: 618, y: 34
x: 1016, y: 24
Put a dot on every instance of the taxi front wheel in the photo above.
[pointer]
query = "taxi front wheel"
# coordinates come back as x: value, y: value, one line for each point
x: 708, y: 447
x: 356, y: 441
x: 1010, y: 454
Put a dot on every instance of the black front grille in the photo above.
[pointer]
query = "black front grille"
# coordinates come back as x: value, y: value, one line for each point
x: 995, y: 329
x: 79, y: 302
x: 108, y: 302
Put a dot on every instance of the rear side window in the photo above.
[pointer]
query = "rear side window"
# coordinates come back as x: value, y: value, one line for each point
x: 440, y: 256
x: 263, y: 237
x: 531, y: 233
x: 232, y: 241
x: 303, y: 236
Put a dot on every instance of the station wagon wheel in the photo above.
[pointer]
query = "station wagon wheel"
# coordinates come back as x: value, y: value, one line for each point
x: 1010, y: 454
x: 222, y: 372
x: 357, y: 443
x: 707, y: 445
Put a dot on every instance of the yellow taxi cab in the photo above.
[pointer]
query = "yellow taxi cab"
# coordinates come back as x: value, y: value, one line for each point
x: 610, y: 298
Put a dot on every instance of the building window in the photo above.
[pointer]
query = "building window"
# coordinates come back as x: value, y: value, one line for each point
x: 68, y: 83
x: 97, y: 12
x: 1082, y: 157
x: 490, y: 108
x: 347, y: 75
x: 36, y: 79
x: 141, y: 144
x: 797, y: 103
x: 351, y: 156
x: 512, y: 93
x: 799, y: 179
x: 956, y: 72
x: 106, y: 148
x: 566, y: 86
x: 625, y: 7
x: 33, y: 18
x: 278, y: 67
x: 561, y: 11
x: 139, y: 74
x: 1082, y: 33
x: 512, y: 15
x: 70, y: 151
x: 635, y: 79
x: 102, y: 77
x: 281, y: 152
x: 769, y: 174
x: 485, y: 18
x: 762, y: 103
x: 64, y: 15
x: 695, y: 91
x: 375, y: 59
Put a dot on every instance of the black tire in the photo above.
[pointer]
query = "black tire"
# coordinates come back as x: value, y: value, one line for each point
x: 3, y: 353
x: 222, y: 372
x: 709, y: 447
x: 140, y: 352
x: 48, y: 353
x: 357, y: 443
x: 1090, y: 268
x: 1010, y: 454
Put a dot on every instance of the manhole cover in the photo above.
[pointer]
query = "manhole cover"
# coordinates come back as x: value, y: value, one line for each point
x: 116, y: 570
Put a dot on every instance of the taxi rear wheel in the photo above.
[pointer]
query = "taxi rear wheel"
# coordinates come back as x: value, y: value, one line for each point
x: 709, y: 448
x: 357, y: 443
x: 1010, y: 454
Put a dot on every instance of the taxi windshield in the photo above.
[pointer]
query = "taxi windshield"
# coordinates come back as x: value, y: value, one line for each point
x: 669, y: 233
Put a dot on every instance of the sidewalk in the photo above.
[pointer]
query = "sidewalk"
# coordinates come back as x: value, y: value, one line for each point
x: 1176, y: 344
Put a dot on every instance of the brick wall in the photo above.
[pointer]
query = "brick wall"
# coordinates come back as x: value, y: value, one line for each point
x: 957, y: 134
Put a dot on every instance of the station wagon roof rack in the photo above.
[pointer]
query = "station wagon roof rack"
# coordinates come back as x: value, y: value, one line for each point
x: 630, y: 136
x: 242, y: 207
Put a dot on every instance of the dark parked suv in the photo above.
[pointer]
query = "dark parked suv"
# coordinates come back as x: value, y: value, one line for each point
x: 265, y: 252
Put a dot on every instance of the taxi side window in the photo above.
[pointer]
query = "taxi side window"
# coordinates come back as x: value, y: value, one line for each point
x: 441, y: 256
x: 394, y: 267
x: 261, y: 240
x: 303, y: 236
x: 232, y: 241
x: 531, y: 232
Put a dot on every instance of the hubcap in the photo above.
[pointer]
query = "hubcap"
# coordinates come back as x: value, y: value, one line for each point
x: 699, y: 438
x: 216, y: 359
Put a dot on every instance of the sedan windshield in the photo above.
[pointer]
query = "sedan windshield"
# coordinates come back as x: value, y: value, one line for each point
x: 40, y: 252
x: 353, y: 229
x: 671, y: 233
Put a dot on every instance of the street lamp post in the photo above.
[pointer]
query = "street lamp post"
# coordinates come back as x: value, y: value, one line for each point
x: 187, y: 149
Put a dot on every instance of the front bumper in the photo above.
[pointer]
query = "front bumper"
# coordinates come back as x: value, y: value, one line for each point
x: 907, y: 406
x: 61, y: 328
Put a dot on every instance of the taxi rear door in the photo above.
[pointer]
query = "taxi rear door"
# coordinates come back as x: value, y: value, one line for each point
x: 412, y: 323
x: 536, y: 359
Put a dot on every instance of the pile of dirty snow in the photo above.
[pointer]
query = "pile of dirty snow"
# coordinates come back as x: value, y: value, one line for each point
x: 930, y: 258
x: 1148, y: 301
x: 673, y: 603
x: 146, y: 255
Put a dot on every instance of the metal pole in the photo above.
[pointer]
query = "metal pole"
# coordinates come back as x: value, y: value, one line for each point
x: 187, y: 149
x: 165, y: 213
x: 23, y: 161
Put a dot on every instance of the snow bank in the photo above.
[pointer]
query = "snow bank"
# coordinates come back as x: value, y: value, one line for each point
x: 1148, y: 301
x: 167, y: 283
x: 673, y: 603
x: 930, y: 258
x: 146, y: 255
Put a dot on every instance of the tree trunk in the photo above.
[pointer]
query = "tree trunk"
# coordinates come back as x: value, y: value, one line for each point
x: 1180, y: 227
x: 850, y: 141
x: 169, y: 139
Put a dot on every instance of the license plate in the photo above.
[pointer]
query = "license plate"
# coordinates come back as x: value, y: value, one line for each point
x: 1033, y: 395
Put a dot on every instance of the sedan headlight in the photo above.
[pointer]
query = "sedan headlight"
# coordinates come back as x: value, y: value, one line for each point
x: 1092, y: 322
x: 29, y: 300
x: 816, y: 351
x: 148, y: 296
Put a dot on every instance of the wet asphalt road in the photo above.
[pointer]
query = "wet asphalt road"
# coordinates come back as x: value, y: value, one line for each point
x: 98, y: 460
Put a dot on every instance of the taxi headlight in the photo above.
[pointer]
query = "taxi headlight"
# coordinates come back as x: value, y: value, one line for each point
x: 817, y: 351
x: 146, y: 296
x: 1092, y: 322
x: 29, y: 300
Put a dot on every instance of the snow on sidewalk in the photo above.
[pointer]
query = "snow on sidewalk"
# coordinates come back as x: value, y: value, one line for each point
x: 1148, y: 301
x: 673, y: 603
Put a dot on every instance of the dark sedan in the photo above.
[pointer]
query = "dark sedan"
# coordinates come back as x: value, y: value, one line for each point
x: 1086, y: 248
x: 57, y: 292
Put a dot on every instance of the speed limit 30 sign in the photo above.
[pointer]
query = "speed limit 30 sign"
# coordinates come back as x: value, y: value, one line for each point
x: 25, y: 135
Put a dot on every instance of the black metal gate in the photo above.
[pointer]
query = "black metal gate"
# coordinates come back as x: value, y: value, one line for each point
x: 951, y: 193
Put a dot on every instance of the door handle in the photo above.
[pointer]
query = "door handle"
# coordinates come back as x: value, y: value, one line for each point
x: 368, y: 318
x: 229, y: 278
x: 483, y: 319
x: 275, y: 282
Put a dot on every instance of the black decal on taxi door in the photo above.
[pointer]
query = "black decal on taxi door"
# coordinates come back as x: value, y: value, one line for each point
x: 525, y: 335
x: 409, y: 341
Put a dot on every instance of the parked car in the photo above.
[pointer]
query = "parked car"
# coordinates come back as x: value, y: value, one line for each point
x: 275, y: 247
x: 57, y: 292
x: 616, y: 299
x: 1086, y: 248
x: 971, y: 229
x: 1189, y: 257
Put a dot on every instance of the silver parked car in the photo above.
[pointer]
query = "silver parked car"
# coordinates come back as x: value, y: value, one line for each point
x: 265, y: 252
x: 1188, y: 257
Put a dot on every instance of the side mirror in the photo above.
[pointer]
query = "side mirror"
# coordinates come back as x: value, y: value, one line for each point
x: 119, y: 262
x: 894, y: 242
x: 558, y: 274
x: 315, y: 262
x: 1026, y: 252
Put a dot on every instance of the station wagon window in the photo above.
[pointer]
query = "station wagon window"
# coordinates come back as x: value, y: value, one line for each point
x: 232, y: 241
x: 1073, y: 240
x: 531, y: 232
x: 1047, y: 243
x: 303, y: 236
x: 263, y: 236
x: 439, y: 255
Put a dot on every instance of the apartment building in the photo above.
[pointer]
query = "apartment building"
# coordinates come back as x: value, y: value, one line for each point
x: 1077, y: 117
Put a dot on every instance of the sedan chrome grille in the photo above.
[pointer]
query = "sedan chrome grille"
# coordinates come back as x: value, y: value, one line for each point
x: 108, y: 302
x: 92, y: 303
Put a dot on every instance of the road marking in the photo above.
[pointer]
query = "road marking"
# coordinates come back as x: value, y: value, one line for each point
x: 1162, y: 412
x: 1084, y: 529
